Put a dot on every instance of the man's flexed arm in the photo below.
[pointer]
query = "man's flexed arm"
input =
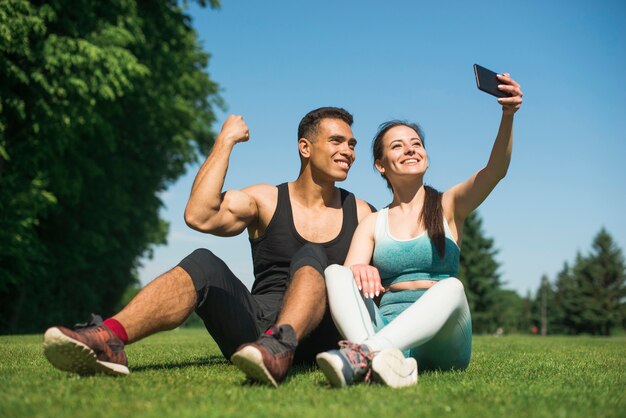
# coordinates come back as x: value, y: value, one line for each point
x: 208, y: 209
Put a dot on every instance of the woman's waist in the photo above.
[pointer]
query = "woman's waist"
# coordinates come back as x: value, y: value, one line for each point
x: 414, y: 280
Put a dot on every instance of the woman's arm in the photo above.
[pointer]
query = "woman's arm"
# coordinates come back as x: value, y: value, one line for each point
x: 360, y: 255
x: 463, y: 198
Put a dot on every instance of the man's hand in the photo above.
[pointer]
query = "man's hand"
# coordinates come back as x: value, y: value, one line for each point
x: 234, y: 130
x: 209, y: 209
x: 367, y: 279
x: 510, y: 105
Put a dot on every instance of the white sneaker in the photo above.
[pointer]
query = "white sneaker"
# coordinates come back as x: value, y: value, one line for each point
x: 390, y: 368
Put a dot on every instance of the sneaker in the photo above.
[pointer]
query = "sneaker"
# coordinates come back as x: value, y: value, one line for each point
x: 91, y: 348
x: 390, y: 368
x: 354, y: 363
x: 346, y: 366
x: 268, y: 359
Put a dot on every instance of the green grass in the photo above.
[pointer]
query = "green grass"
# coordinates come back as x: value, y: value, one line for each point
x: 182, y: 374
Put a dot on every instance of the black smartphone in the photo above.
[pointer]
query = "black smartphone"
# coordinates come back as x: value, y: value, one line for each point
x: 487, y: 81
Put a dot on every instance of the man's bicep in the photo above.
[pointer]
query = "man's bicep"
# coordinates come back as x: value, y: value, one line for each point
x: 237, y: 211
x: 240, y: 208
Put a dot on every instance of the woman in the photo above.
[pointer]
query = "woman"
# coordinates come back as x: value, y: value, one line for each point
x: 414, y: 246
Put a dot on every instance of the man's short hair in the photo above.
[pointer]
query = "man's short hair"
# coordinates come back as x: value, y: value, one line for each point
x: 311, y: 121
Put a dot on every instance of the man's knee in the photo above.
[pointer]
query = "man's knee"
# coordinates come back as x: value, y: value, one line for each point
x: 310, y: 255
x: 201, y: 265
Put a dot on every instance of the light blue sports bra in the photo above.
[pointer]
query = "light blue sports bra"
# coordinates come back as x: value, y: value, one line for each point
x: 412, y: 259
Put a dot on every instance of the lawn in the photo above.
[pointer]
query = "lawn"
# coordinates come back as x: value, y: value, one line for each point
x: 182, y: 374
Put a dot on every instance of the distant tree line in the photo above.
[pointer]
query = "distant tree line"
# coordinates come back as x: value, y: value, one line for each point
x: 587, y: 297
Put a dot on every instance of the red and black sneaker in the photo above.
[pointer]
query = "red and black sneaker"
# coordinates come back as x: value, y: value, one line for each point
x: 89, y: 349
x: 268, y: 359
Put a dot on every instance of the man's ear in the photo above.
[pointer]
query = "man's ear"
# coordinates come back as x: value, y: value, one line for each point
x: 304, y: 146
x: 379, y: 167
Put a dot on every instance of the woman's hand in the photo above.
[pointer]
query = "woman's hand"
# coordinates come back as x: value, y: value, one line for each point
x: 510, y: 105
x: 367, y: 280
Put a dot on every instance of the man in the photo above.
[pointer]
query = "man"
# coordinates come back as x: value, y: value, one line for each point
x: 296, y: 229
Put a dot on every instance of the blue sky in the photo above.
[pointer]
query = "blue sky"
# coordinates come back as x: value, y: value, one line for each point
x: 277, y: 60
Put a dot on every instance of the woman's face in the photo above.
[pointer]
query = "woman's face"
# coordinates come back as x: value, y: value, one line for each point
x: 403, y: 153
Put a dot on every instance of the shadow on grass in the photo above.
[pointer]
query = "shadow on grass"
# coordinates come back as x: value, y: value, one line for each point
x: 204, y: 361
x: 294, y: 370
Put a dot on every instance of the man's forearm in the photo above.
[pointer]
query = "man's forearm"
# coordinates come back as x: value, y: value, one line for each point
x: 205, y: 198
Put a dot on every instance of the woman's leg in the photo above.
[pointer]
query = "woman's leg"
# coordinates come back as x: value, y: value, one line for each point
x: 357, y: 319
x: 441, y: 319
x: 354, y: 317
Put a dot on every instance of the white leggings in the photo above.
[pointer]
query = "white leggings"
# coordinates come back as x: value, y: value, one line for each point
x: 436, y: 329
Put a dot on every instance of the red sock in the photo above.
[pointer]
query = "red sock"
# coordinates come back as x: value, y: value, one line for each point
x: 117, y: 328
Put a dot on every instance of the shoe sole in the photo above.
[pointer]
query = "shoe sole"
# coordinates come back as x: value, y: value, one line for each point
x: 390, y: 368
x: 332, y: 367
x: 250, y: 361
x: 71, y: 355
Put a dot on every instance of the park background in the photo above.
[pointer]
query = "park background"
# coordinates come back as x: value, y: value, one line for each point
x: 413, y: 61
x: 272, y: 63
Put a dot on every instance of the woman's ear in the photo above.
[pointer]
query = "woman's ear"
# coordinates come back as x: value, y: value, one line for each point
x: 379, y: 166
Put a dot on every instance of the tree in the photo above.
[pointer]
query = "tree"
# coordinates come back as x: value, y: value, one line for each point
x: 509, y: 311
x: 589, y: 296
x: 543, y: 308
x: 602, y: 281
x: 479, y: 272
x: 567, y: 301
x: 102, y: 105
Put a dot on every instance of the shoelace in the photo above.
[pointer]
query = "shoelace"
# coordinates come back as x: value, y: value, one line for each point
x: 358, y: 357
x: 94, y: 321
x: 273, y: 342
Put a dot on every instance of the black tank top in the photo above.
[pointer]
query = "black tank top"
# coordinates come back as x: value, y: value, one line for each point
x: 272, y: 252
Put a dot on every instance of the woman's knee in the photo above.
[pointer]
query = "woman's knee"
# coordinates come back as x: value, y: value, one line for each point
x: 454, y: 285
x: 337, y: 272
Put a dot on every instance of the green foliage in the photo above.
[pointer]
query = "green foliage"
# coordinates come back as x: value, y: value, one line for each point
x: 182, y: 374
x: 511, y: 312
x: 567, y: 302
x: 128, y: 295
x: 543, y: 304
x: 479, y: 273
x: 589, y: 297
x: 102, y: 105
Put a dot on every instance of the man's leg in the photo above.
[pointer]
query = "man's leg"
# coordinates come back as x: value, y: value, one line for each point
x: 304, y: 303
x: 98, y: 347
x: 164, y: 304
x: 269, y: 358
x: 201, y: 280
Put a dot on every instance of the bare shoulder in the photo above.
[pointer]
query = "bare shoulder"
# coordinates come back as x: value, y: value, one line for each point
x: 363, y: 209
x: 369, y: 221
x: 265, y: 197
x: 447, y: 203
x: 262, y: 194
x: 455, y: 222
x: 261, y: 190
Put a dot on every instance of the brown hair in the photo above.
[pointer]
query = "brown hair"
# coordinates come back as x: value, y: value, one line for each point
x: 432, y: 211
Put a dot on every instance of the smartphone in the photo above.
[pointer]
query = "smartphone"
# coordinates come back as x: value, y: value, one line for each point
x: 487, y: 81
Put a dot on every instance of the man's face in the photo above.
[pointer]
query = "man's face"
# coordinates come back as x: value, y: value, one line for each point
x: 332, y: 149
